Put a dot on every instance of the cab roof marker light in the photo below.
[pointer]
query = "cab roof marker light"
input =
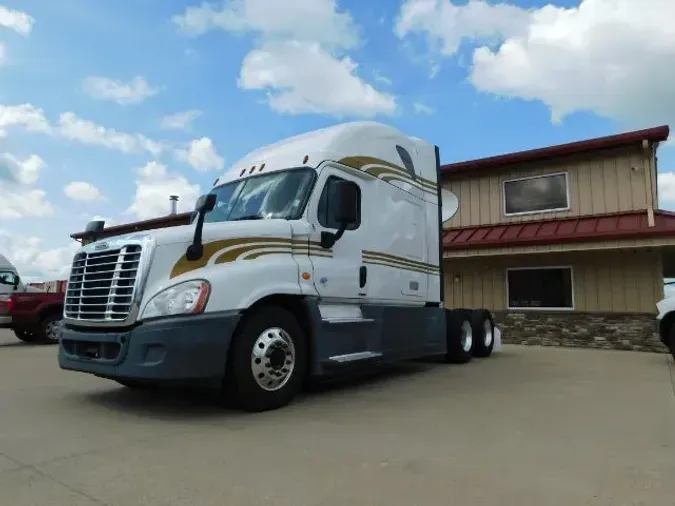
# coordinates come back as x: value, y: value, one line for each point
x: 261, y: 167
x: 304, y: 160
x: 250, y: 171
x: 243, y: 171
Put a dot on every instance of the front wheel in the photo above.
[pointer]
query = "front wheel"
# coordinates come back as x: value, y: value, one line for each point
x: 25, y: 335
x: 267, y: 360
x: 49, y: 331
x: 671, y: 340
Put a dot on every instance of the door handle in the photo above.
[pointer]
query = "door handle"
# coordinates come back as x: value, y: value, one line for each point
x: 363, y: 276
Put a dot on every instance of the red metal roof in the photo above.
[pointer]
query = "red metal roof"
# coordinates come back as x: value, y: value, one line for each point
x: 656, y: 134
x: 580, y: 229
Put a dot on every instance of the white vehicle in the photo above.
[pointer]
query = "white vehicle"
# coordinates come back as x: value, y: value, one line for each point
x: 9, y: 278
x: 308, y: 257
x: 666, y: 322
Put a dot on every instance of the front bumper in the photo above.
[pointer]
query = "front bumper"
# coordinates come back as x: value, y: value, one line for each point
x: 190, y: 349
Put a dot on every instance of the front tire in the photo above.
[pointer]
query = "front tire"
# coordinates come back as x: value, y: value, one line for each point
x: 267, y: 361
x: 25, y: 336
x: 49, y: 331
x: 671, y: 340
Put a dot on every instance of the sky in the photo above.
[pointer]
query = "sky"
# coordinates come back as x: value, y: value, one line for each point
x: 108, y: 107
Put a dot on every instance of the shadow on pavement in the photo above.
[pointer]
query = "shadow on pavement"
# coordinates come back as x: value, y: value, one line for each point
x: 182, y: 404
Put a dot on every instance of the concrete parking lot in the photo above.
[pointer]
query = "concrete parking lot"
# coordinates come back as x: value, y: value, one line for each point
x: 530, y: 426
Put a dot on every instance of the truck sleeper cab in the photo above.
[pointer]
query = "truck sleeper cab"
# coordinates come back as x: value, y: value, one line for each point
x: 308, y: 257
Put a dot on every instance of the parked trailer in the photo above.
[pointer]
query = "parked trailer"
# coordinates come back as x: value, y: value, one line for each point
x: 308, y: 257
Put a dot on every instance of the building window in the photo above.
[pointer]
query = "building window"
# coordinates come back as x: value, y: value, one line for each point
x: 540, y: 288
x: 536, y: 194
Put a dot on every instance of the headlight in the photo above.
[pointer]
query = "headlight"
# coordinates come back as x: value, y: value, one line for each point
x: 182, y: 299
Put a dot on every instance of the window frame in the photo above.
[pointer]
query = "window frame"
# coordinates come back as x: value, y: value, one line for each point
x: 526, y: 178
x: 570, y: 268
x: 318, y: 202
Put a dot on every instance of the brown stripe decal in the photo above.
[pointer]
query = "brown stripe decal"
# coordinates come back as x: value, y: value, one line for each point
x: 249, y: 249
x: 388, y: 260
x: 388, y: 171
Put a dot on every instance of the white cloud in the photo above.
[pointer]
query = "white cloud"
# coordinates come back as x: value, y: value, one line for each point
x: 32, y: 261
x: 666, y: 184
x: 81, y: 191
x: 26, y: 116
x: 303, y: 78
x: 302, y: 20
x: 123, y: 93
x: 87, y: 132
x: 3, y: 54
x: 21, y: 202
x: 300, y: 58
x: 201, y: 155
x: 72, y: 127
x: 180, y: 120
x: 421, y: 108
x: 19, y: 198
x: 610, y: 57
x: 445, y: 24
x: 21, y: 22
x: 153, y: 188
x: 382, y: 79
x: 25, y: 171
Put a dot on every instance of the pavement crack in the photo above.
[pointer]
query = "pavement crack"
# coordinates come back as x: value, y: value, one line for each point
x: 69, y: 487
x: 32, y: 467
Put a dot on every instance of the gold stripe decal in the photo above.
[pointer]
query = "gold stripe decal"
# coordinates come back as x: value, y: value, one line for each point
x: 388, y: 260
x: 388, y: 171
x: 235, y: 249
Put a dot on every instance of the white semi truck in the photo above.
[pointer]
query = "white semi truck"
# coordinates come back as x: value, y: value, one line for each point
x: 307, y: 258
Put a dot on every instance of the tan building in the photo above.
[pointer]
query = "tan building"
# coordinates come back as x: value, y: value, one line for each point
x: 565, y: 244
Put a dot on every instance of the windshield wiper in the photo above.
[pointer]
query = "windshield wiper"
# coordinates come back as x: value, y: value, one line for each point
x: 249, y: 217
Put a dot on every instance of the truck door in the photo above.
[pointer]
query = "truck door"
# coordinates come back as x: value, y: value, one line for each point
x: 339, y: 274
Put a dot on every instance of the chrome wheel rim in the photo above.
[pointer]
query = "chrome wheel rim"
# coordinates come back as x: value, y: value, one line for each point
x: 467, y: 336
x: 273, y: 359
x: 488, y: 330
x: 53, y: 330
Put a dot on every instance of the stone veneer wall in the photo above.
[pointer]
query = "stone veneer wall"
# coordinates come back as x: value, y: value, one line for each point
x: 619, y: 331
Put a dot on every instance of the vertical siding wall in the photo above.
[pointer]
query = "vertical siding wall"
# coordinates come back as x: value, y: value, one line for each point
x: 615, y: 181
x: 611, y: 281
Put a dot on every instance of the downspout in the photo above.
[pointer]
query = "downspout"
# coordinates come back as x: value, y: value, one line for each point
x: 652, y: 193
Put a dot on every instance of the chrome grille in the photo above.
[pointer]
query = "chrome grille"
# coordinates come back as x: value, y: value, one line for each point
x: 102, y: 283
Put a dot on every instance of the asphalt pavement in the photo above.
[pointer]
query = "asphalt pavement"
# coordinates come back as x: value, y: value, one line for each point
x: 528, y: 426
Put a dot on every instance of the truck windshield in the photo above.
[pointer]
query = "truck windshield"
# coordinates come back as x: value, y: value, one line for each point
x: 280, y: 195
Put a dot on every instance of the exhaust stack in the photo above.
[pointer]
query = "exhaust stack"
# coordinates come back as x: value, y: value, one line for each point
x: 173, y: 199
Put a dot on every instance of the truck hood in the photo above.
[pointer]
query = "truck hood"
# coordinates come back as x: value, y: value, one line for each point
x: 223, y: 243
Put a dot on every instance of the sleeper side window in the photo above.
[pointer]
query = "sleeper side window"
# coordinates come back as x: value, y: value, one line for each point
x: 328, y: 195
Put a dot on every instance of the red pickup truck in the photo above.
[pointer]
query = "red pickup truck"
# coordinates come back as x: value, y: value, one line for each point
x: 36, y: 316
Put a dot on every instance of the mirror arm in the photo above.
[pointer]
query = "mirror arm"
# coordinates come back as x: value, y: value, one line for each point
x: 196, y: 250
x: 328, y: 239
